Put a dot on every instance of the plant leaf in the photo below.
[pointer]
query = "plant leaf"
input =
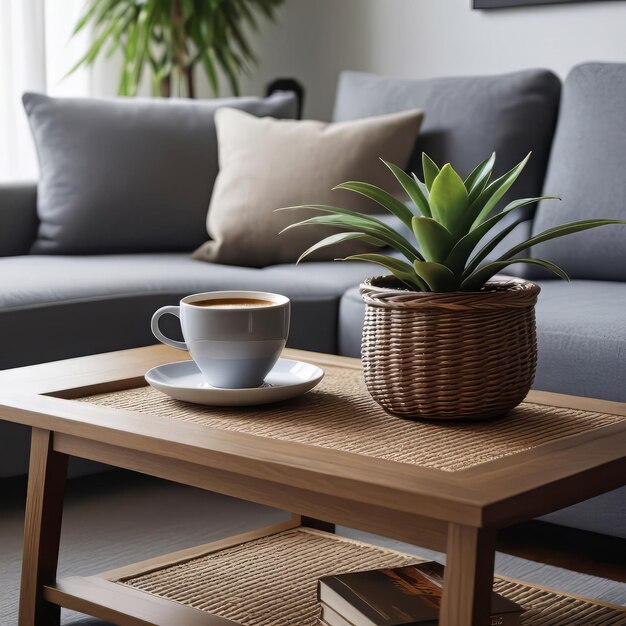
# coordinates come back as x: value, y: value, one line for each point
x: 340, y: 238
x: 437, y: 276
x: 464, y: 247
x: 381, y: 197
x: 412, y: 188
x: 358, y: 221
x: 559, y: 231
x: 435, y: 240
x: 401, y: 270
x: 89, y: 57
x: 490, y: 246
x: 448, y: 199
x: 485, y: 203
x: 87, y: 15
x: 423, y: 188
x: 215, y: 33
x: 431, y: 169
x: 476, y: 182
x: 476, y: 281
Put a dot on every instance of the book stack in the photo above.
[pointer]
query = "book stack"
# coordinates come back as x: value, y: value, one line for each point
x: 402, y: 596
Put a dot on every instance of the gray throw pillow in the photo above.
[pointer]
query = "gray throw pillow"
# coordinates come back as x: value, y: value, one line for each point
x: 129, y: 175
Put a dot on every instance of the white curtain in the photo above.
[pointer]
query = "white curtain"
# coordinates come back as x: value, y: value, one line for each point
x: 36, y: 52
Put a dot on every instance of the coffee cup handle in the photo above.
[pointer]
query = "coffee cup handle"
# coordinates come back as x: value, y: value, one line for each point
x: 156, y: 331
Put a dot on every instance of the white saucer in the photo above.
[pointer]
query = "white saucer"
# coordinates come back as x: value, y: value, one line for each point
x: 182, y: 380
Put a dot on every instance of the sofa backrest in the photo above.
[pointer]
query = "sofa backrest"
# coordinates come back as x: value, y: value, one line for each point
x: 18, y: 217
x: 467, y: 118
x: 587, y: 170
x: 124, y: 175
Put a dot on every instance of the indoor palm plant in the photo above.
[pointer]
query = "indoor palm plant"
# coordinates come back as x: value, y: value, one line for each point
x: 172, y: 37
x: 443, y: 338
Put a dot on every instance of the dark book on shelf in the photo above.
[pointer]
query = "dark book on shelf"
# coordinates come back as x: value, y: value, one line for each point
x: 401, y: 596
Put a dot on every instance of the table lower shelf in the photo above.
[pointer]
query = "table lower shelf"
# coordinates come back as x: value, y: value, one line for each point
x: 269, y: 578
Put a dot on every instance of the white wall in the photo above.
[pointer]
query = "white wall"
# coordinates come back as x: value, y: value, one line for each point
x: 421, y: 38
x: 315, y: 39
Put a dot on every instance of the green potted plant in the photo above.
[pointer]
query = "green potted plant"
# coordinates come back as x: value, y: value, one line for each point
x: 173, y: 37
x: 444, y: 338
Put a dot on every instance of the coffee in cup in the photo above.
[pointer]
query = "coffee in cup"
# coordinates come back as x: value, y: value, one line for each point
x: 233, y: 303
x: 234, y: 337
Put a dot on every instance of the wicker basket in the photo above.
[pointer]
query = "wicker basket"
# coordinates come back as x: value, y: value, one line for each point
x: 449, y: 355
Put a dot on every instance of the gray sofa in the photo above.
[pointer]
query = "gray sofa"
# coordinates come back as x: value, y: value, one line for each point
x: 59, y: 306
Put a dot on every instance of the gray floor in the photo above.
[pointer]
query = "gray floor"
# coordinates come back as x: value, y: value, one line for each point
x: 117, y: 518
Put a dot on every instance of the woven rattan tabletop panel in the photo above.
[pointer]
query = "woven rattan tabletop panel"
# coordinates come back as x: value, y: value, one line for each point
x: 273, y: 581
x: 339, y: 414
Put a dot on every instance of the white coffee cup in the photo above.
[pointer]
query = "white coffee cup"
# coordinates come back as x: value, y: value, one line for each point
x: 234, y: 346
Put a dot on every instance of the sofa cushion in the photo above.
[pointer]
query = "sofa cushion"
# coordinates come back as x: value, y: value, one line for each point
x: 57, y: 307
x: 18, y: 217
x: 126, y: 174
x: 587, y: 170
x: 292, y: 163
x: 581, y: 334
x: 54, y: 307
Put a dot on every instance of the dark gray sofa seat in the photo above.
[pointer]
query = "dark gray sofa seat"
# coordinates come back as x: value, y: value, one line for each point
x: 57, y: 307
x: 581, y: 335
x: 54, y: 307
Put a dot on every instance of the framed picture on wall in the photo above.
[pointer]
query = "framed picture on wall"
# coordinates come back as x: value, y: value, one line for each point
x: 500, y: 4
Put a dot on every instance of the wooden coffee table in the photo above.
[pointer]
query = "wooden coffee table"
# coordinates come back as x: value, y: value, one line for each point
x: 332, y: 455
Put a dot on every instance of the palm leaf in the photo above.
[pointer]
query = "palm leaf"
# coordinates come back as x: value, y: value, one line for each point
x: 207, y: 32
x: 381, y: 197
x: 485, y: 203
x: 490, y: 246
x: 345, y: 218
x: 437, y: 276
x: 434, y: 239
x: 476, y: 182
x: 431, y: 170
x: 340, y: 238
x: 355, y: 225
x: 401, y: 270
x: 422, y: 188
x: 476, y: 281
x: 89, y: 57
x: 448, y: 199
x: 464, y: 247
x: 559, y: 231
x: 103, y: 10
x: 412, y: 188
x: 228, y: 62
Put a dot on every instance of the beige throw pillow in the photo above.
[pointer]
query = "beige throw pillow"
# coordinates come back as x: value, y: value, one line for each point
x: 267, y: 164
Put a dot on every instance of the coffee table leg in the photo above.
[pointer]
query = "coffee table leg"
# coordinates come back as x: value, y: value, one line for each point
x: 42, y: 530
x: 468, y: 577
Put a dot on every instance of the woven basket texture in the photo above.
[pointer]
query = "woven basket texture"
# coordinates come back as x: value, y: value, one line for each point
x: 449, y: 355
x: 273, y: 581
